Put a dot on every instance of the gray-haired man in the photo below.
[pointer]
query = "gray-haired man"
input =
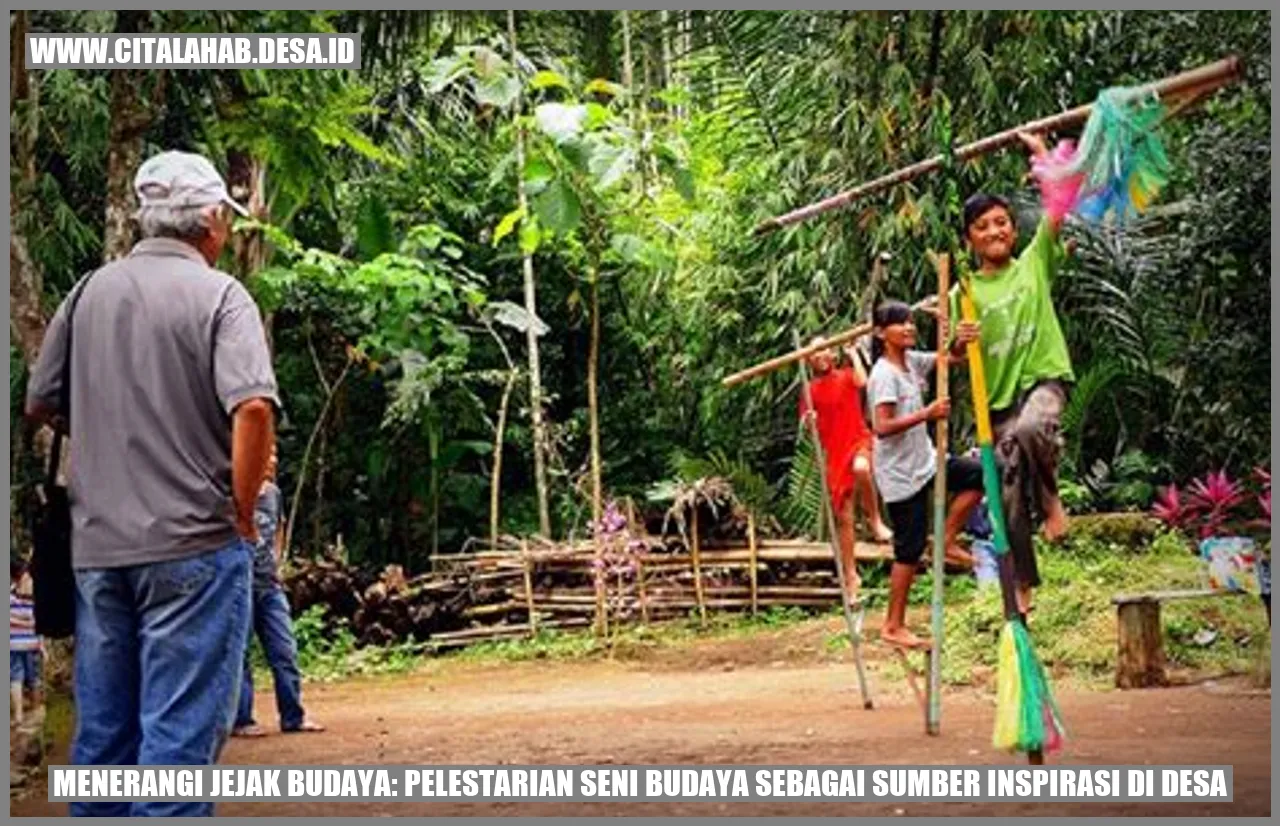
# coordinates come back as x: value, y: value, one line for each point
x: 171, y: 422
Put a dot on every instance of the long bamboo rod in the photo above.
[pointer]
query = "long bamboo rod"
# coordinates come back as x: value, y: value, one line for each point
x: 1196, y: 82
x: 852, y: 622
x: 933, y: 713
x: 801, y: 353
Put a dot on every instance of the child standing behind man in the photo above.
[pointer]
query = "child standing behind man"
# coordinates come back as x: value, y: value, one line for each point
x: 25, y: 649
x: 272, y: 623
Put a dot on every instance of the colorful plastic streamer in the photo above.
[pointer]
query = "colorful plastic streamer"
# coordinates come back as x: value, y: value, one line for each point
x: 1119, y: 166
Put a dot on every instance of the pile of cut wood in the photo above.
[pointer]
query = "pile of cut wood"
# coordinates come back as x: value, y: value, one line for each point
x: 510, y: 593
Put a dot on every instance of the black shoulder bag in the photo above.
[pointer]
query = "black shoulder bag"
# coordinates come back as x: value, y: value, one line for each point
x: 53, y: 581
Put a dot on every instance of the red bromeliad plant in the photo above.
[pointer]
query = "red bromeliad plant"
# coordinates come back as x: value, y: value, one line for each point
x: 1215, y: 505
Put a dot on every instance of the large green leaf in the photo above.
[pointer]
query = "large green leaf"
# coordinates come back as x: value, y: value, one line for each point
x: 558, y: 207
x: 507, y: 224
x: 608, y: 163
x: 559, y: 121
x: 374, y: 233
x: 683, y: 180
x: 547, y: 79
x: 517, y: 317
x: 530, y: 236
x: 537, y: 173
x: 600, y: 86
x: 499, y: 90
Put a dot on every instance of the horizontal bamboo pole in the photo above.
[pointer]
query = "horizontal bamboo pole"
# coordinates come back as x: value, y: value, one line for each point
x: 785, y: 550
x: 1195, y: 82
x: 470, y: 636
x: 658, y: 606
x: 668, y: 592
x: 779, y: 362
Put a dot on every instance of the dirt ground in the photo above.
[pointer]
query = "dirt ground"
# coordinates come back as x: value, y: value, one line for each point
x: 773, y: 698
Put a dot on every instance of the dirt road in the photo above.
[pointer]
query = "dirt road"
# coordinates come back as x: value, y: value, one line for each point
x: 729, y: 704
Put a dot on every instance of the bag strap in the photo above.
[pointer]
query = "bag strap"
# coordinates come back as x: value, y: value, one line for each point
x: 64, y: 392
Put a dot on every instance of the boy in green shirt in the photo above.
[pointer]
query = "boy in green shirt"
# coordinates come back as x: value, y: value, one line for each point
x: 1027, y: 366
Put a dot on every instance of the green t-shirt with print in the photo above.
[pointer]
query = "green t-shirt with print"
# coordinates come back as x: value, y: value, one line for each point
x: 1022, y: 342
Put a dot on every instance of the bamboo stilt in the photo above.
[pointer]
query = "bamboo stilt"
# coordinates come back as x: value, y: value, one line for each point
x: 933, y: 714
x: 697, y: 568
x: 754, y: 561
x: 852, y: 621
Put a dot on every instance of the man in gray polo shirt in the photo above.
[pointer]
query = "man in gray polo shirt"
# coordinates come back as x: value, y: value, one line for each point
x: 171, y: 424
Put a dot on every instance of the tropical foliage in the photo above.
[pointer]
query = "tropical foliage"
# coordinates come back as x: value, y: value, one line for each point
x: 389, y: 238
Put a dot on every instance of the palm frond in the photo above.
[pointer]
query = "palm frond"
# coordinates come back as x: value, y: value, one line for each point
x: 804, y: 507
x: 1086, y: 394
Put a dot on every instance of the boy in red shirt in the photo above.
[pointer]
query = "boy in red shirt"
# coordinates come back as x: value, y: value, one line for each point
x: 846, y: 441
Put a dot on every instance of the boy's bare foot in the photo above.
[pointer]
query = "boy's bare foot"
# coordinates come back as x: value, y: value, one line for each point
x: 881, y: 532
x: 251, y: 730
x: 902, y: 638
x: 1055, y: 522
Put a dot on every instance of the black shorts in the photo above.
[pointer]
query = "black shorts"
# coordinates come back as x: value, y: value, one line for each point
x: 910, y: 517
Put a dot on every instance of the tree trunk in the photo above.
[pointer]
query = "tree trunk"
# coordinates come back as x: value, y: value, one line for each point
x: 26, y: 317
x: 666, y: 48
x: 628, y: 80
x: 935, y: 52
x: 593, y: 402
x: 246, y: 181
x: 132, y: 113
x: 531, y: 334
x: 1139, y: 645
x: 26, y: 282
x: 495, y: 491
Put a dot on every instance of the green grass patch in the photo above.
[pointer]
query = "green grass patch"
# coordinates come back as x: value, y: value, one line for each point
x: 1073, y: 624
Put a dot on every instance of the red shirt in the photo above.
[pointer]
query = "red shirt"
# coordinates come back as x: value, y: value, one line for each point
x: 841, y: 426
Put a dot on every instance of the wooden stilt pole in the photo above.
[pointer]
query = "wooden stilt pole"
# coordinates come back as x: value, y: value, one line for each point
x: 933, y: 716
x: 696, y: 554
x: 852, y: 622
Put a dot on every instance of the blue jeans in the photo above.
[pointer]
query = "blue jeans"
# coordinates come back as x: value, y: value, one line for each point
x: 24, y: 667
x: 274, y: 627
x: 157, y: 667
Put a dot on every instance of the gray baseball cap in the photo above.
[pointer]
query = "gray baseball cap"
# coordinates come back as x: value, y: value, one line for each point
x: 182, y: 179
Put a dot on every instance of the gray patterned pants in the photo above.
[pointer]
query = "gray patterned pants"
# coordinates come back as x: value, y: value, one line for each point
x: 1028, y: 448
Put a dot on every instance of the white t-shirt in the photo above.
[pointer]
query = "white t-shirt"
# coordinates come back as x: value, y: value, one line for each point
x: 904, y: 462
